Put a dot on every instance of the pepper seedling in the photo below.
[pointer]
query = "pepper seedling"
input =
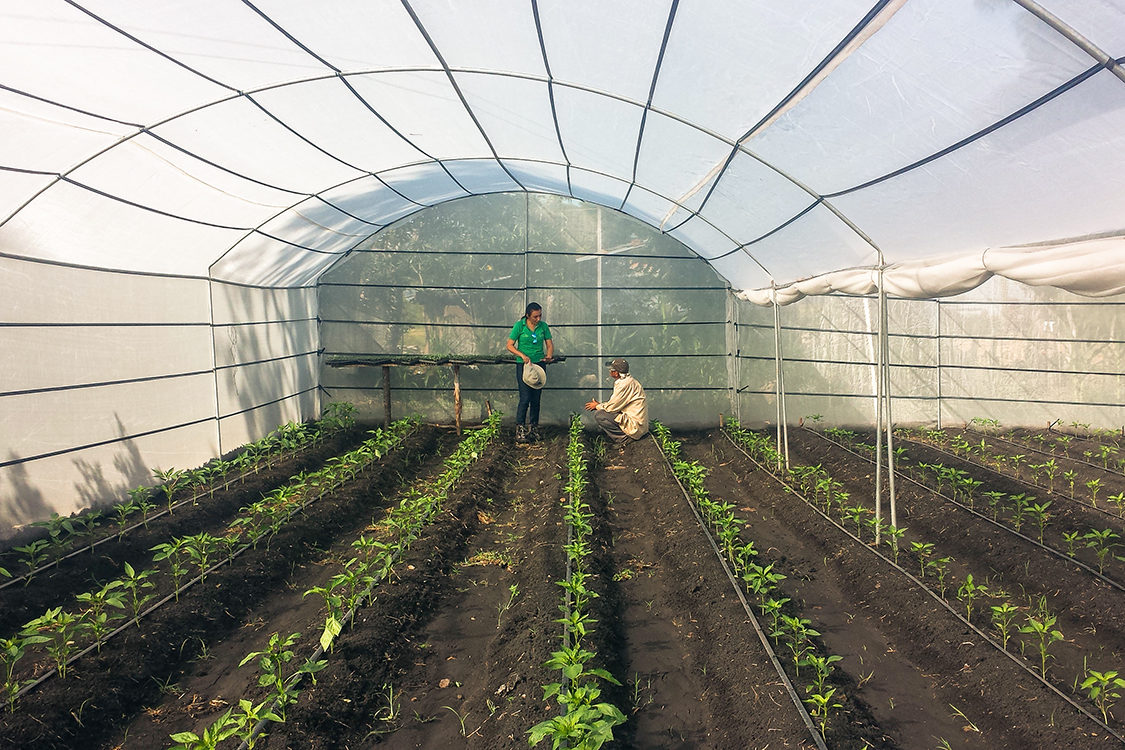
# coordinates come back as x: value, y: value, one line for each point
x: 1102, y: 688
x: 1043, y: 632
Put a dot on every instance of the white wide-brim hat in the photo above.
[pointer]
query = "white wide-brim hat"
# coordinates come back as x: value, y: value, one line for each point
x: 534, y: 375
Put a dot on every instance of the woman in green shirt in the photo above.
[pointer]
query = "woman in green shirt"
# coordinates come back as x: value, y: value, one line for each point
x: 530, y: 341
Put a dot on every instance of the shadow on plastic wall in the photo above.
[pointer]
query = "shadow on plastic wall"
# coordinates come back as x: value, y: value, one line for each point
x: 22, y: 504
x: 266, y: 372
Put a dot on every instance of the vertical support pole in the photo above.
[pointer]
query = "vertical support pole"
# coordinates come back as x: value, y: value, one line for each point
x: 940, y: 406
x: 737, y: 337
x: 885, y: 328
x: 387, y: 392
x: 599, y: 374
x: 457, y: 398
x: 779, y: 389
x: 879, y: 406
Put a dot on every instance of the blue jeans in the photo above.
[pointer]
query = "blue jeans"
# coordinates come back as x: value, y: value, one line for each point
x: 529, y: 399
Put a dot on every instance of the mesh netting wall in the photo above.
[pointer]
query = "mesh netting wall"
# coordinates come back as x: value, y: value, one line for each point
x: 1022, y: 355
x: 109, y: 374
x: 454, y: 279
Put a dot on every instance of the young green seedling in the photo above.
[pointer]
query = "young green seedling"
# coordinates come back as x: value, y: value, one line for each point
x: 1043, y: 633
x: 821, y: 705
x: 1063, y: 442
x: 995, y: 500
x: 1102, y: 689
x: 924, y: 550
x: 1106, y: 452
x: 940, y: 566
x: 98, y: 616
x: 137, y: 583
x: 855, y: 514
x: 60, y: 632
x: 1095, y: 486
x: 173, y: 480
x: 894, y: 534
x: 174, y: 552
x: 33, y: 555
x: 1040, y: 515
x: 202, y: 548
x: 1070, y: 476
x: 1072, y: 538
x: 1052, y: 470
x: 822, y: 669
x: 249, y: 716
x: 877, y: 526
x: 761, y: 581
x: 796, y: 632
x: 772, y: 608
x: 969, y: 592
x: 11, y: 651
x: 222, y: 728
x: 1020, y: 505
x: 1102, y: 542
x: 272, y: 662
x: 1002, y: 617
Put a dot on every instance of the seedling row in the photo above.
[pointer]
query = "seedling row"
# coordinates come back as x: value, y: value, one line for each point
x: 1024, y: 617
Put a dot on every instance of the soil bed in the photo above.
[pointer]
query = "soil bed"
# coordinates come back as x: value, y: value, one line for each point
x: 107, y: 689
x: 451, y: 651
x: 57, y: 586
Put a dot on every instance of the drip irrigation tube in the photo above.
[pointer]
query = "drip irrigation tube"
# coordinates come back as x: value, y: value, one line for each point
x: 1041, y: 452
x: 985, y: 467
x: 801, y: 710
x: 296, y: 678
x: 1057, y: 553
x: 174, y: 596
x: 165, y: 511
x: 987, y: 638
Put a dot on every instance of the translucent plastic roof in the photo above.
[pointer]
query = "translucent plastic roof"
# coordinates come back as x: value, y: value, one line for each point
x: 946, y: 140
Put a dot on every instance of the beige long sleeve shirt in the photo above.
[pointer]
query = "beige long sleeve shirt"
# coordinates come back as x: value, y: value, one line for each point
x: 628, y: 400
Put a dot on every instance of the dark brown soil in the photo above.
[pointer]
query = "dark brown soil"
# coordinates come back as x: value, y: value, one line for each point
x: 79, y: 573
x: 438, y: 660
x: 1091, y: 614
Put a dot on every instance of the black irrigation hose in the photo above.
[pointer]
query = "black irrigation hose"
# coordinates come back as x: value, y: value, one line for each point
x: 801, y: 710
x: 296, y: 678
x: 1040, y: 451
x: 1057, y: 553
x: 174, y: 596
x: 987, y: 638
x: 120, y: 533
x: 1001, y: 474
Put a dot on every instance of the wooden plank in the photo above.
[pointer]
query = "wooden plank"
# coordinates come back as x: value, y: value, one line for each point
x: 387, y: 392
x: 457, y: 397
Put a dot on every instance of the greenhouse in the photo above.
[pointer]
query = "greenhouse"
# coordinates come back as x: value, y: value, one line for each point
x: 266, y: 475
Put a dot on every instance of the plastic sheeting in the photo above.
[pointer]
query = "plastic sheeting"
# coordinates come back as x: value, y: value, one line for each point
x: 259, y: 142
x: 1093, y: 268
x: 192, y: 196
x: 1006, y: 351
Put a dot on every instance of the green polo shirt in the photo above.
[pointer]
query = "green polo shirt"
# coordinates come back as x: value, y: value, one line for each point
x: 528, y: 341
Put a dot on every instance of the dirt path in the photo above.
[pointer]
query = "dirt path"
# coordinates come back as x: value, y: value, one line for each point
x: 700, y: 676
x: 465, y: 673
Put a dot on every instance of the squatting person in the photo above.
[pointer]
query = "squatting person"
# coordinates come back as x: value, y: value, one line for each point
x: 624, y: 417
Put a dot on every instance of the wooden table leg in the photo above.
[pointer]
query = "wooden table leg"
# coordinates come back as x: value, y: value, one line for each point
x: 457, y: 397
x: 387, y: 392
